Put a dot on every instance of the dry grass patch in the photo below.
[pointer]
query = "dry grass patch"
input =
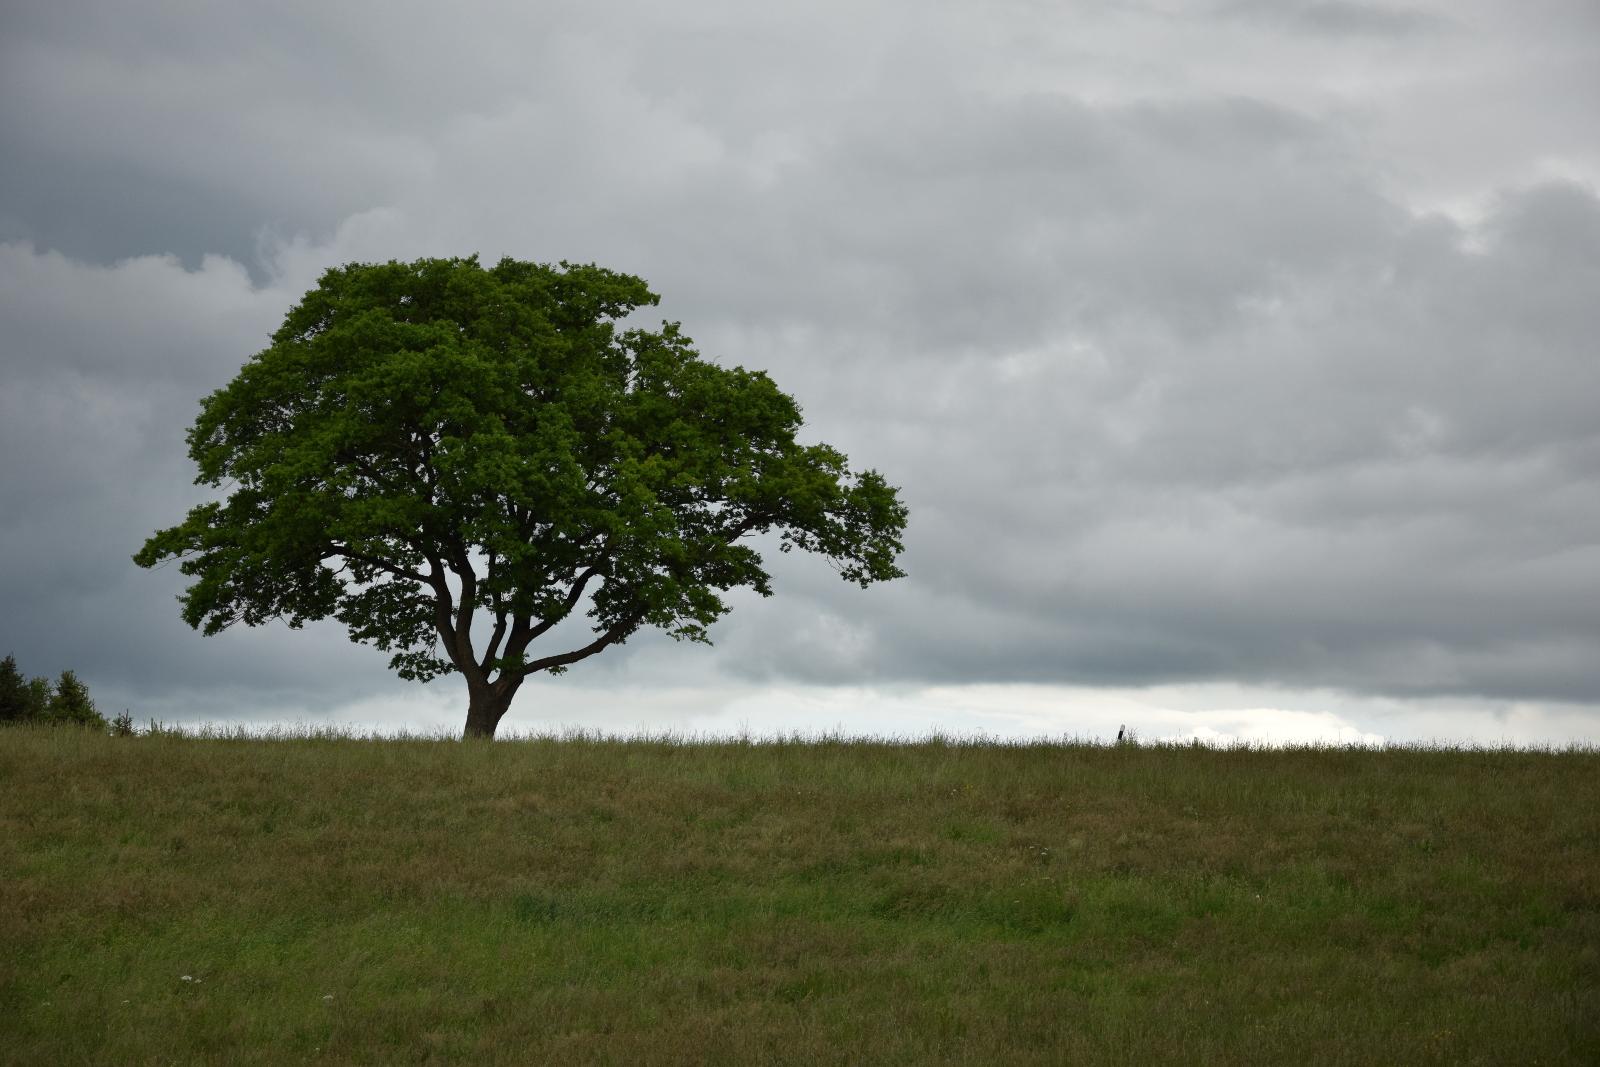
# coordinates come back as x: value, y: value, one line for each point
x: 589, y: 901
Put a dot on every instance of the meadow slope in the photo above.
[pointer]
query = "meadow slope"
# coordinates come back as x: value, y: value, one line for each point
x: 330, y: 900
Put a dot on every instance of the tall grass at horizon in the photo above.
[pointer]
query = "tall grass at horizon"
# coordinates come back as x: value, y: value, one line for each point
x: 333, y: 899
x: 304, y: 730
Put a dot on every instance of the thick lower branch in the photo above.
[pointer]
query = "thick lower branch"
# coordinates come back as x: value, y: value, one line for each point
x: 469, y: 595
x: 524, y: 631
x: 574, y: 595
x: 452, y: 623
x: 377, y: 564
x: 500, y: 623
x: 605, y: 640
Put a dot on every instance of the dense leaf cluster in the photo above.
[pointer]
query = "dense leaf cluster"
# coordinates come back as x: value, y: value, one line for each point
x: 35, y: 700
x: 428, y: 444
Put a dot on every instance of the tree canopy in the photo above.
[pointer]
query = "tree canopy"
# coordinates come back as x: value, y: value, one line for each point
x: 452, y: 459
x: 32, y: 700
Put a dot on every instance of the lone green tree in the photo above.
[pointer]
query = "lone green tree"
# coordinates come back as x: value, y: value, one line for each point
x: 451, y: 460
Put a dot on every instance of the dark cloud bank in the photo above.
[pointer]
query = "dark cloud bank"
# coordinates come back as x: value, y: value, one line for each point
x: 1179, y: 387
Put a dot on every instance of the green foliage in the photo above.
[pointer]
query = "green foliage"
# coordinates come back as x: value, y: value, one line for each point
x: 38, y: 699
x: 32, y: 700
x: 71, y: 704
x: 17, y: 701
x: 431, y: 443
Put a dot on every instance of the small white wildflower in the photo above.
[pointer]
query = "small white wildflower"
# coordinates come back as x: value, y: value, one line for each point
x: 327, y: 996
x: 187, y: 978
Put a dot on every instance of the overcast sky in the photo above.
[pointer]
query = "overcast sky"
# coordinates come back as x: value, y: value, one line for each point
x: 1237, y: 358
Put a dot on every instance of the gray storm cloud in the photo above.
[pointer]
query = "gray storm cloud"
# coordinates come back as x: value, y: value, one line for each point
x: 1192, y: 370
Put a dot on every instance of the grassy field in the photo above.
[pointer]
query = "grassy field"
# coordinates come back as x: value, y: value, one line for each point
x: 324, y: 900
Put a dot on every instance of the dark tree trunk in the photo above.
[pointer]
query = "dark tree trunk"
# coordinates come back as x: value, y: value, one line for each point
x: 486, y: 705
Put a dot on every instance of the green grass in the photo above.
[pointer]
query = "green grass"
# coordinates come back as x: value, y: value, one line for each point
x: 591, y: 901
